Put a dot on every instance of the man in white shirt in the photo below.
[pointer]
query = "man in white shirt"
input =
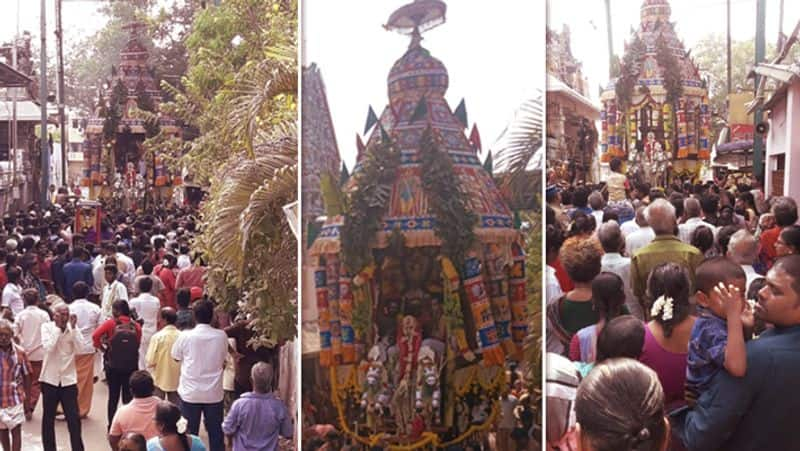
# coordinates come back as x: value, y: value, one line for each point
x: 202, y: 353
x: 61, y: 342
x: 113, y: 291
x: 597, y: 203
x: 28, y: 330
x: 611, y: 239
x: 89, y: 318
x: 630, y: 226
x: 147, y: 308
x: 692, y: 212
x: 743, y: 250
x: 126, y: 266
x: 12, y: 292
x: 640, y: 237
x: 184, y: 260
x: 98, y: 268
x: 553, y: 291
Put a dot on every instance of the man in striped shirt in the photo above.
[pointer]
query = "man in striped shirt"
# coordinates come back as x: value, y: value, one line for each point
x: 15, y: 373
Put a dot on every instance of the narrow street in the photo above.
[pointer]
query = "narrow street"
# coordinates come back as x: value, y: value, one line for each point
x: 93, y: 428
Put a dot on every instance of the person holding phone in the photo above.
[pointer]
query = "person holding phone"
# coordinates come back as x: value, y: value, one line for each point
x: 61, y: 342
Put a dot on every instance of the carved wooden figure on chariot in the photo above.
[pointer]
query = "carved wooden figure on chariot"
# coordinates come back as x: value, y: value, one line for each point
x: 377, y: 392
x: 428, y: 394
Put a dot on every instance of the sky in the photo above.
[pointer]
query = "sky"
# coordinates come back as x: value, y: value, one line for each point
x: 695, y: 19
x: 80, y: 18
x: 493, y: 51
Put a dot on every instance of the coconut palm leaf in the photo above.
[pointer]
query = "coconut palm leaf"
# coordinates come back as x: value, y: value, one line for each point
x: 519, y: 150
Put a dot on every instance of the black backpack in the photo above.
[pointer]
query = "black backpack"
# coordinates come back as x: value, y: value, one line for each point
x: 123, y: 348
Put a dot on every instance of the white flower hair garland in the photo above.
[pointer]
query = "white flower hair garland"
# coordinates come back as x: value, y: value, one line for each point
x: 662, y: 305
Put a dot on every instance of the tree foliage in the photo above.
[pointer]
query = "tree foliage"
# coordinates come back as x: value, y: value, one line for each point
x: 88, y: 62
x: 710, y: 54
x: 671, y: 71
x: 239, y: 96
x: 629, y: 71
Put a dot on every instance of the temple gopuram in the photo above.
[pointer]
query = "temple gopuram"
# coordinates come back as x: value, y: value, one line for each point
x: 115, y: 133
x: 655, y: 114
x: 571, y: 114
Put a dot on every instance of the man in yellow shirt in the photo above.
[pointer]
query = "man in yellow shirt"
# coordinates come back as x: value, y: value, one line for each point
x: 165, y: 370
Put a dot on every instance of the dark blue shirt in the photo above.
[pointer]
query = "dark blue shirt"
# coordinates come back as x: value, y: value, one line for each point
x: 74, y: 271
x: 754, y: 412
x: 706, y: 351
x: 57, y: 268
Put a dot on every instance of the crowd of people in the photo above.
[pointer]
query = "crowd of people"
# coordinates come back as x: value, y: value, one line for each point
x: 126, y: 306
x: 672, y: 316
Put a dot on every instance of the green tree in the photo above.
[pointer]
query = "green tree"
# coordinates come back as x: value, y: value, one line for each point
x: 239, y: 96
x: 710, y: 55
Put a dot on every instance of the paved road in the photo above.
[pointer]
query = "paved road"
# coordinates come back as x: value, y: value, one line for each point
x: 93, y: 427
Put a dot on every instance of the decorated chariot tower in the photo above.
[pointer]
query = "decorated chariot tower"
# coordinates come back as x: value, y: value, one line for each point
x: 115, y: 132
x: 420, y: 280
x: 655, y: 113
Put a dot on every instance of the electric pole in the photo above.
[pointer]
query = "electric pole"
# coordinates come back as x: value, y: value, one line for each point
x: 13, y: 151
x: 43, y: 141
x: 729, y: 50
x: 62, y: 119
x: 758, y: 140
x: 610, y: 40
x: 780, y: 27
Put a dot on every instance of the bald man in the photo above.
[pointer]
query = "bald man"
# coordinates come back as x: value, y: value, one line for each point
x: 743, y: 250
x: 665, y: 247
x: 257, y: 418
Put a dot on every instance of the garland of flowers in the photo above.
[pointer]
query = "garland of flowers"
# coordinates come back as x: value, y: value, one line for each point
x: 629, y: 72
x: 367, y: 204
x: 455, y: 221
x: 350, y: 388
x: 362, y: 304
x: 451, y: 300
x: 670, y: 69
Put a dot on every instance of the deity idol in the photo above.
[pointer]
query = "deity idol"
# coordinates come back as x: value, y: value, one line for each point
x: 408, y: 344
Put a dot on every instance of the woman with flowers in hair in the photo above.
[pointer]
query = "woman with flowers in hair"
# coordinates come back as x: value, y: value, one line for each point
x: 172, y: 435
x: 666, y: 340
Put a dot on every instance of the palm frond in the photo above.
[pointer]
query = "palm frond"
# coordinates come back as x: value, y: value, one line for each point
x: 519, y: 148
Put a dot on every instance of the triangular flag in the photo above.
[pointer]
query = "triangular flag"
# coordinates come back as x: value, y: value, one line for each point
x: 344, y: 175
x: 312, y: 231
x: 420, y: 111
x: 461, y: 113
x: 360, y: 147
x: 372, y: 118
x: 489, y: 163
x: 384, y: 136
x: 475, y: 138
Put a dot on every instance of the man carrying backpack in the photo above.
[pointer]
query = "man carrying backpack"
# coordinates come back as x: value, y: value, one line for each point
x: 119, y: 339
